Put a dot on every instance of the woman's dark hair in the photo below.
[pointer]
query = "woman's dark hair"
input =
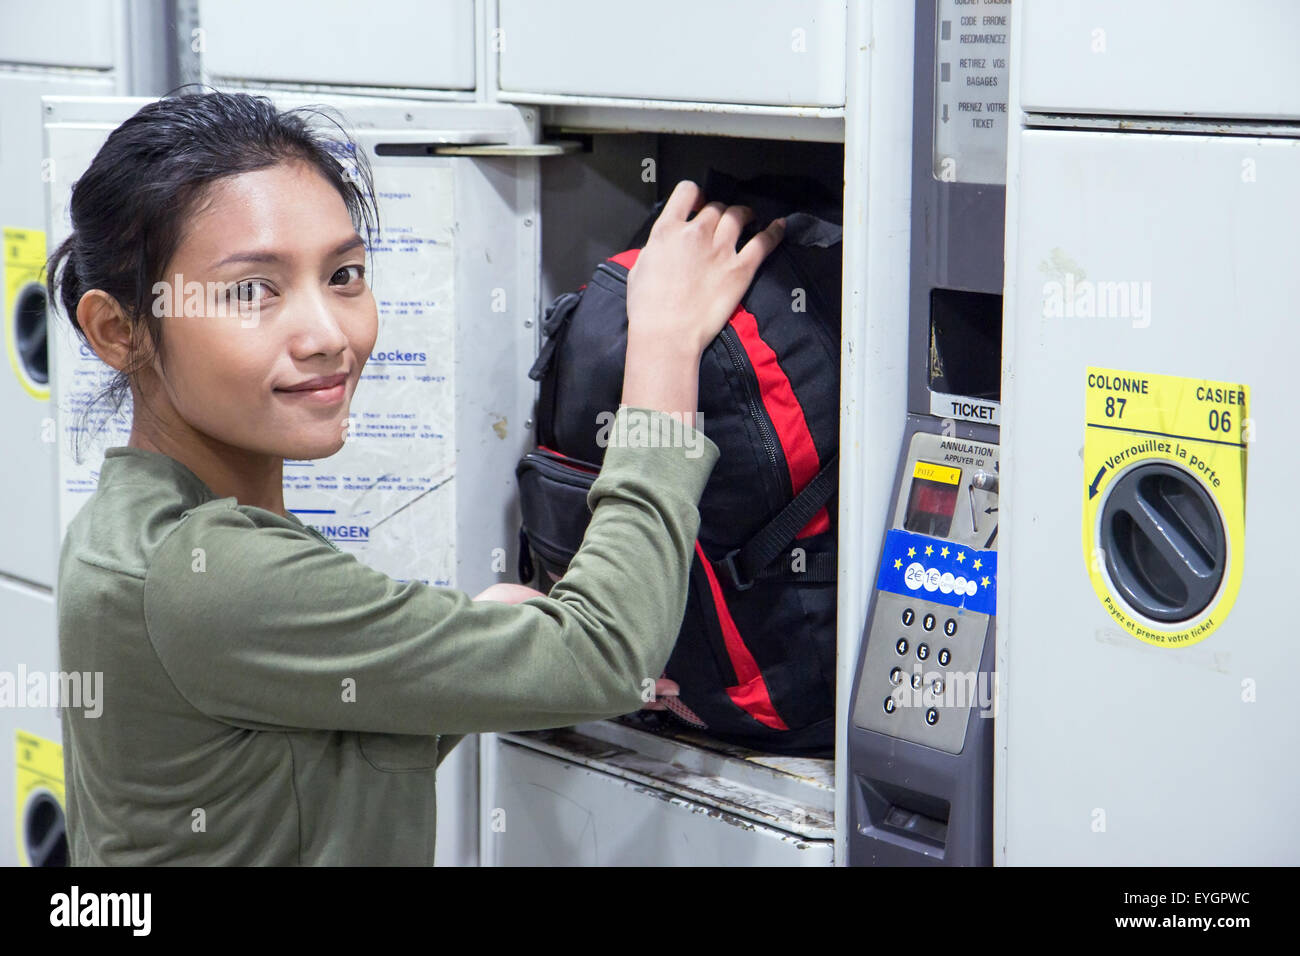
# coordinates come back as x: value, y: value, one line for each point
x: 129, y: 207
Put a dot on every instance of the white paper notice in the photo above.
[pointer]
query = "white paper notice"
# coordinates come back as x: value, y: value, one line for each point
x: 81, y: 377
x: 388, y: 496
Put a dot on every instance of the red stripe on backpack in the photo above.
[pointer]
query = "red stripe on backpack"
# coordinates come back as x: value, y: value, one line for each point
x: 750, y: 695
x: 784, y: 410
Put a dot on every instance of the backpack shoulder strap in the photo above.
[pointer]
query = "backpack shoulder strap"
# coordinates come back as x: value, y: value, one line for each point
x: 749, y: 562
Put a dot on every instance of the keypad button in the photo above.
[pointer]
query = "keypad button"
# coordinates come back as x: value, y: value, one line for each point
x: 944, y: 656
x: 922, y: 651
x: 931, y: 716
x: 901, y: 646
x: 936, y: 686
x: 928, y: 622
x: 896, y: 676
x: 916, y: 681
x: 950, y: 627
x: 890, y: 704
x: 908, y: 616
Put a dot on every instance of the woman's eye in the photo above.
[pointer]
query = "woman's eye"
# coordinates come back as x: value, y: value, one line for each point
x: 344, y: 272
x: 251, y: 290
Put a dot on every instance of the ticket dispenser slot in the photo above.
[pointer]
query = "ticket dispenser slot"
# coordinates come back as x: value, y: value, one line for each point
x: 965, y: 328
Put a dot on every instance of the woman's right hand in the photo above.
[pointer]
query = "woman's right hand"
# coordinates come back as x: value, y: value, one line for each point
x: 682, y: 290
x: 689, y: 278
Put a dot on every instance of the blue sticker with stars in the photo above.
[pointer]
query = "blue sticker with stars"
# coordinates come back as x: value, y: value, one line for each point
x: 934, y: 569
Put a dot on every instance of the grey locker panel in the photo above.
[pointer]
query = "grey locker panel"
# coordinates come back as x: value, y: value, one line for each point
x: 29, y: 547
x: 1118, y: 752
x: 773, y: 52
x: 28, y: 656
x: 421, y: 44
x: 1199, y: 58
x: 79, y: 33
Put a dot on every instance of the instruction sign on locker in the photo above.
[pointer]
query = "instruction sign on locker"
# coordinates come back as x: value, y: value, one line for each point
x: 970, y: 129
x: 1164, y: 500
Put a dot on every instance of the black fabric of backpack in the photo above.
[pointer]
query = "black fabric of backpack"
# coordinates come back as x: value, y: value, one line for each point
x: 755, y: 657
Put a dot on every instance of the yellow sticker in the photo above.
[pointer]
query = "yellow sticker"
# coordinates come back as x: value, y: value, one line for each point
x: 24, y: 268
x: 1164, y: 500
x: 940, y: 473
x: 39, y: 779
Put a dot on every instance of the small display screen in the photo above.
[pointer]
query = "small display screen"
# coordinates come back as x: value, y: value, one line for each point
x: 932, y: 500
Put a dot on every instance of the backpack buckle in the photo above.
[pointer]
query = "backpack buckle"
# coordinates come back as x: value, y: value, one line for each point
x: 728, y: 562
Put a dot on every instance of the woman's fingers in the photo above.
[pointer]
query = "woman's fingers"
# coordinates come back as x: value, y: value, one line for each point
x: 708, y: 217
x: 733, y: 221
x: 761, y: 245
x: 685, y: 198
x: 663, y: 688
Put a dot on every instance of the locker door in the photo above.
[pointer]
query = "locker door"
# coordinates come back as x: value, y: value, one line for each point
x: 31, y: 774
x: 27, y: 549
x: 677, y: 50
x: 423, y: 487
x: 1194, y: 58
x: 1176, y: 255
x: 407, y: 44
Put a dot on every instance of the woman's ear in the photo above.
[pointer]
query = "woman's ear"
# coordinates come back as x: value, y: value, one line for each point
x: 106, y: 327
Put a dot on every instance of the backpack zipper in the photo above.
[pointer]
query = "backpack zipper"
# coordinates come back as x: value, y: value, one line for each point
x: 738, y: 359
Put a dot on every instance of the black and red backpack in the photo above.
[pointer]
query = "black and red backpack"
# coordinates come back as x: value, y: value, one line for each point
x: 755, y: 657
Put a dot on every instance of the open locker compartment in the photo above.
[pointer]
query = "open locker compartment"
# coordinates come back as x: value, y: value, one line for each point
x: 610, y: 792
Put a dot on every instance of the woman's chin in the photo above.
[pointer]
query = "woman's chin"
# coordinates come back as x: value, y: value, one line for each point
x: 311, y: 449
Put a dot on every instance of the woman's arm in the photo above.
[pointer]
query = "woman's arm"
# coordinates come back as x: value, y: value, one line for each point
x: 281, y: 631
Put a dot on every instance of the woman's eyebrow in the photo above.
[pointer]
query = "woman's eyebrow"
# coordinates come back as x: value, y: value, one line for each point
x: 271, y: 256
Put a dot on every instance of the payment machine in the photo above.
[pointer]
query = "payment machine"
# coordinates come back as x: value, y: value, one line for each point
x: 920, y: 737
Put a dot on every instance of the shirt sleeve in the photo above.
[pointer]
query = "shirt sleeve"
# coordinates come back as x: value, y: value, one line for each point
x: 267, y: 627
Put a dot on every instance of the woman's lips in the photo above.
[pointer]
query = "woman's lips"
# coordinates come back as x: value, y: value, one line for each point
x: 326, y: 390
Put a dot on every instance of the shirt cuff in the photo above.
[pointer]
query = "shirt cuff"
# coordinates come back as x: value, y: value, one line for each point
x: 653, y: 443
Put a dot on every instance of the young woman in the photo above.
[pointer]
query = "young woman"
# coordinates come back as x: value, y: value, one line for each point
x: 267, y: 698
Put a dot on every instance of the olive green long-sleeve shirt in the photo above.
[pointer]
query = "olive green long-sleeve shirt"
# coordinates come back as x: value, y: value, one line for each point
x: 269, y: 699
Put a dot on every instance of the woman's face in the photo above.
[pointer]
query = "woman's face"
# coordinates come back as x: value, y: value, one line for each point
x: 265, y: 352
